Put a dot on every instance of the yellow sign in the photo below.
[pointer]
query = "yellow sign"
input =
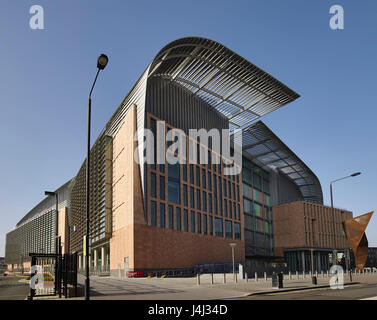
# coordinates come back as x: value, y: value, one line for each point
x: 84, y: 247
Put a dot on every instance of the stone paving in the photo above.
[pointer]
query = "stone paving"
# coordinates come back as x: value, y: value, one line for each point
x: 110, y: 288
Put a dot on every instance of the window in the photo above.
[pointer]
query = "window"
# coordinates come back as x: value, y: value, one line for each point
x: 198, y: 199
x: 178, y: 218
x: 192, y: 204
x: 162, y: 215
x: 173, y: 183
x: 210, y: 225
x: 210, y: 202
x: 220, y: 197
x: 185, y: 220
x: 228, y: 229
x: 185, y: 200
x: 234, y: 191
x: 204, y: 185
x: 153, y: 129
x: 198, y: 176
x: 184, y: 172
x: 218, y: 227
x: 153, y: 185
x: 191, y: 173
x: 171, y: 225
x: 225, y: 208
x: 238, y: 193
x: 192, y: 215
x: 209, y: 181
x: 204, y: 201
x: 237, y: 231
x: 238, y: 212
x: 257, y: 209
x: 267, y: 227
x: 153, y: 213
x: 162, y: 187
x: 257, y: 181
x: 205, y: 224
x: 229, y: 190
x: 199, y: 222
x: 234, y: 211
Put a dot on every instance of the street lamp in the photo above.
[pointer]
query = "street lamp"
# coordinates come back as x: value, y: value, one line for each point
x: 332, y: 211
x: 55, y: 194
x: 233, y: 245
x: 101, y: 64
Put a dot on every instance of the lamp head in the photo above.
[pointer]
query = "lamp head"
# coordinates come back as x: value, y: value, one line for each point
x: 102, y: 61
x: 355, y: 174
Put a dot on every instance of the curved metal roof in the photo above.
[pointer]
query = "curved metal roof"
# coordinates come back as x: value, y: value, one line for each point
x: 233, y: 86
x: 260, y: 143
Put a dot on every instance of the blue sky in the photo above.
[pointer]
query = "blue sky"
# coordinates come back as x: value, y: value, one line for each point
x: 46, y: 76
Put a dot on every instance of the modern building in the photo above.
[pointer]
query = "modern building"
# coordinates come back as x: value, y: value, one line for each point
x: 372, y: 257
x: 3, y: 266
x: 38, y: 230
x: 305, y: 237
x: 149, y: 214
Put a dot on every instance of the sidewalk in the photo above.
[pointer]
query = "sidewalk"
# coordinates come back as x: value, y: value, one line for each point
x: 107, y: 288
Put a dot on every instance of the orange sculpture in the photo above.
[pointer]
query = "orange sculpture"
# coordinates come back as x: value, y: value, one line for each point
x: 356, y: 238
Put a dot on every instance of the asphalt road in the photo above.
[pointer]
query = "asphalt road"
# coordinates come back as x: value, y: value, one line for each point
x: 12, y: 289
x: 352, y: 292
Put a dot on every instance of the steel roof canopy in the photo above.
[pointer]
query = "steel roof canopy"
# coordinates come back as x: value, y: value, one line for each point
x: 235, y: 87
x: 270, y: 152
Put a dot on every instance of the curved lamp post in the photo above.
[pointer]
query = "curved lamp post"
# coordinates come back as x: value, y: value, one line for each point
x: 332, y: 211
x: 101, y: 64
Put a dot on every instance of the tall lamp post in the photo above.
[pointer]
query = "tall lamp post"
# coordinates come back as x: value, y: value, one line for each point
x: 233, y: 245
x: 101, y: 64
x: 55, y: 194
x: 333, y: 214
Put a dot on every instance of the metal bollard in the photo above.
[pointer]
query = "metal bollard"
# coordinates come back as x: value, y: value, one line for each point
x: 323, y: 275
x: 246, y: 277
x: 265, y: 277
x: 296, y: 274
x: 327, y: 273
x: 289, y: 275
x: 316, y: 274
x: 224, y: 281
x: 211, y: 278
x: 235, y: 277
x: 256, y: 277
x: 198, y: 279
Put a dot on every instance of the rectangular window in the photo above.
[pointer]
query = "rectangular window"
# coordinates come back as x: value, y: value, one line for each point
x: 162, y: 187
x: 209, y: 181
x: 171, y: 225
x: 204, y: 185
x: 197, y: 176
x: 162, y: 215
x: 237, y: 231
x: 234, y: 191
x: 173, y: 183
x: 153, y: 129
x: 192, y: 215
x: 185, y: 200
x: 225, y: 208
x: 153, y: 185
x: 198, y: 199
x: 178, y: 218
x: 231, y: 215
x: 153, y: 213
x: 228, y: 229
x: 199, y: 222
x: 210, y: 202
x: 205, y: 224
x: 234, y: 211
x: 257, y: 181
x: 210, y: 225
x: 238, y: 193
x: 220, y: 197
x: 184, y: 172
x: 191, y: 173
x: 204, y: 201
x: 229, y: 190
x: 192, y: 202
x: 185, y: 220
x: 218, y: 227
x: 238, y: 212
